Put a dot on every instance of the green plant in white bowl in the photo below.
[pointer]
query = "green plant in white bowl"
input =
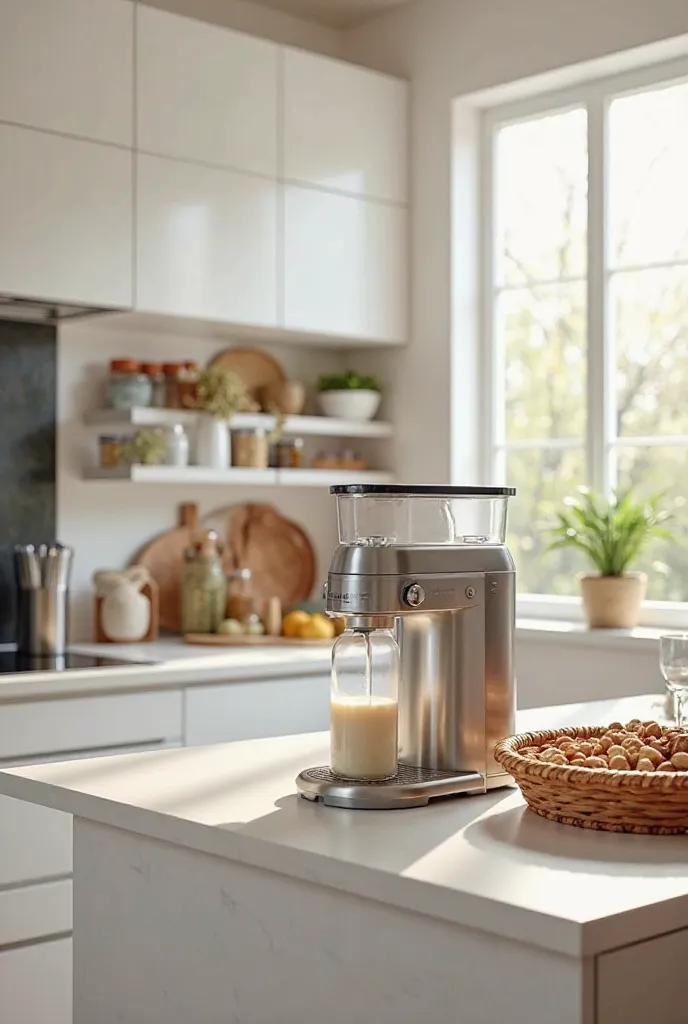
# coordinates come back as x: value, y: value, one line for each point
x: 611, y: 535
x: 349, y: 396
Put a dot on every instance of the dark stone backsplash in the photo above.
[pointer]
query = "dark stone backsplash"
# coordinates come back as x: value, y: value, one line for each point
x: 28, y: 364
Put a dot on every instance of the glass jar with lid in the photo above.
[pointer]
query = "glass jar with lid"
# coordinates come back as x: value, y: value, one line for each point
x: 204, y: 586
x: 157, y: 378
x: 364, y: 707
x: 127, y: 387
x: 171, y: 372
x: 187, y: 382
x: 250, y: 448
x: 241, y: 603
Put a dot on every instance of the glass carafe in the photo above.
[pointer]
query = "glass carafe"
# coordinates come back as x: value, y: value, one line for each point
x: 364, y: 705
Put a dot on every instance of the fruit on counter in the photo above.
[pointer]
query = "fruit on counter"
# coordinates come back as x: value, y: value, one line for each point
x: 318, y: 627
x: 339, y: 624
x: 231, y: 627
x: 293, y: 622
x: 255, y: 628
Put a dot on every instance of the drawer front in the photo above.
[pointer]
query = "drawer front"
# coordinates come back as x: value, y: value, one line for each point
x: 34, y: 912
x: 68, y: 726
x: 246, y: 711
x: 35, y: 842
x: 644, y: 982
x: 36, y: 984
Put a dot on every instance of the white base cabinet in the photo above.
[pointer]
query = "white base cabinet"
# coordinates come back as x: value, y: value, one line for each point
x: 36, y: 983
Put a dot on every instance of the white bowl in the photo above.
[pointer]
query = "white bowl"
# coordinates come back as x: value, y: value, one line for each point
x: 350, y: 404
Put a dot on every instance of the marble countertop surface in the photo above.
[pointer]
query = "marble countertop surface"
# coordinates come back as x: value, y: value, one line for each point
x: 168, y: 663
x: 484, y: 862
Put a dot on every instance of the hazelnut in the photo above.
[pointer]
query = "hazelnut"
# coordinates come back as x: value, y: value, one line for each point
x: 553, y: 757
x: 634, y: 725
x: 650, y: 754
x: 680, y: 744
x: 632, y: 741
x: 666, y: 766
x: 653, y: 729
x: 645, y: 765
x: 616, y: 751
x: 619, y: 763
x: 598, y: 750
x: 632, y: 758
x: 614, y: 727
x: 605, y: 741
x: 595, y: 762
x: 680, y: 761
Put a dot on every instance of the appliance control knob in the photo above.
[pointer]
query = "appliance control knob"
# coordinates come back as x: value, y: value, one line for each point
x: 324, y: 591
x: 413, y: 595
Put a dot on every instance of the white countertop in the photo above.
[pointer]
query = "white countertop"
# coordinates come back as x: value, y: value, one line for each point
x: 170, y: 663
x: 484, y: 862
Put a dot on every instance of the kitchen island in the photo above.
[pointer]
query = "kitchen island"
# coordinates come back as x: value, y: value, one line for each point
x: 205, y: 890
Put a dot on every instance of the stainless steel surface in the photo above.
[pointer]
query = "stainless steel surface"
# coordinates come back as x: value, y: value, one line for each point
x: 413, y: 561
x: 44, y: 311
x: 42, y: 575
x: 411, y: 787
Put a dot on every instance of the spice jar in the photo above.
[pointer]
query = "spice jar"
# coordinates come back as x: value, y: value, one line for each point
x: 250, y: 448
x: 289, y: 453
x: 176, y: 446
x: 157, y: 378
x: 171, y: 373
x: 241, y: 604
x: 187, y: 380
x: 127, y: 387
x: 204, y: 587
x: 110, y: 451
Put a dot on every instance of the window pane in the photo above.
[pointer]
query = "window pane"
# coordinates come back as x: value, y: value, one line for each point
x: 543, y: 338
x: 653, y: 471
x: 542, y: 478
x: 650, y: 332
x: 541, y: 198
x: 648, y: 176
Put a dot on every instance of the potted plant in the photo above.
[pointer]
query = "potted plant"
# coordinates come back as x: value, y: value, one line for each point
x: 349, y: 396
x: 611, y: 534
x: 219, y: 394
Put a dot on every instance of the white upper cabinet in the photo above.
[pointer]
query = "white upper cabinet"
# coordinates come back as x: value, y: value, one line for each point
x: 206, y: 242
x: 66, y: 212
x: 205, y: 93
x: 345, y: 265
x: 344, y: 128
x: 67, y: 66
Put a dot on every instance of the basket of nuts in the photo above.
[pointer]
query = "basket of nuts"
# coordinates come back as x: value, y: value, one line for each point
x: 620, y: 778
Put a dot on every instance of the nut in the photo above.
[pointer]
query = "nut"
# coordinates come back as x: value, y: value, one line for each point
x: 616, y: 751
x: 650, y: 754
x: 634, y: 725
x: 645, y: 765
x: 606, y: 741
x: 680, y: 761
x: 680, y: 744
x: 666, y: 766
x: 615, y: 727
x: 619, y: 763
x: 595, y: 762
x: 653, y: 729
x: 553, y: 757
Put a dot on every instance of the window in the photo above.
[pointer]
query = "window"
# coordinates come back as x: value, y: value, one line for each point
x: 587, y: 311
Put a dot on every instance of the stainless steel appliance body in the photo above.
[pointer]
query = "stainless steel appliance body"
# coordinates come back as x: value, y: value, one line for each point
x: 453, y: 607
x: 42, y: 575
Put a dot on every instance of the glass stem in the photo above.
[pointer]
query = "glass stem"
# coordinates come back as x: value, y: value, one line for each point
x: 679, y: 709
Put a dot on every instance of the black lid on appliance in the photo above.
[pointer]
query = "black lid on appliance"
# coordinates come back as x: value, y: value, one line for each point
x: 449, y: 492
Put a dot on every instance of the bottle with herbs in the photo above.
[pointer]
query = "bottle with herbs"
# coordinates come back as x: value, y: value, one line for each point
x: 204, y: 586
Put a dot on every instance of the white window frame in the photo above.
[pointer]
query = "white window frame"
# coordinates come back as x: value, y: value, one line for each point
x: 600, y: 440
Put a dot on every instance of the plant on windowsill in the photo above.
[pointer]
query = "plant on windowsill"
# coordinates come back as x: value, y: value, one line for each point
x: 349, y: 396
x: 611, y: 534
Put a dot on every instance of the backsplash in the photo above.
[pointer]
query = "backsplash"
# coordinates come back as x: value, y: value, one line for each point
x: 27, y: 448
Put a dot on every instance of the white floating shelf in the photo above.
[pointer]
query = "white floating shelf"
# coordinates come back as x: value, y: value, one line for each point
x: 317, y: 426
x: 236, y: 476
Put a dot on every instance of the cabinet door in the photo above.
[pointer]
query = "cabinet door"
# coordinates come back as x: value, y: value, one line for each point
x: 344, y: 128
x: 248, y: 711
x: 65, y: 210
x: 205, y: 93
x: 36, y: 983
x: 67, y: 66
x: 36, y: 842
x: 644, y: 981
x: 345, y: 266
x: 206, y: 241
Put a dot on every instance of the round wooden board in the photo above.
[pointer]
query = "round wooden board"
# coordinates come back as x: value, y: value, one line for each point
x: 255, y: 367
x: 164, y: 559
x: 222, y: 640
x: 278, y: 551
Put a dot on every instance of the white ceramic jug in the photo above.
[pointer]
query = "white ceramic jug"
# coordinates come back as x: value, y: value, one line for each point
x: 125, y: 612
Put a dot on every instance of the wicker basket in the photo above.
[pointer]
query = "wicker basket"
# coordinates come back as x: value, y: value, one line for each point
x: 652, y: 803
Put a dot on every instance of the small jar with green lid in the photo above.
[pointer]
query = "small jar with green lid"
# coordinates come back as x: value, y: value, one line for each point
x: 204, y: 587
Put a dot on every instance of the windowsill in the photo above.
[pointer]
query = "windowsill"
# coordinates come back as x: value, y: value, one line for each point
x: 555, y: 631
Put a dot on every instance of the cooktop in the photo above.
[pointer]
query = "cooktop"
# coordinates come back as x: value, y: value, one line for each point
x: 11, y: 661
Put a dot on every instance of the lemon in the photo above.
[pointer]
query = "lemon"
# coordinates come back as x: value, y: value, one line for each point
x: 293, y: 623
x: 339, y: 624
x: 317, y: 628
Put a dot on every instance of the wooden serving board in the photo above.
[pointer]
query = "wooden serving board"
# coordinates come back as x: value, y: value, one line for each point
x: 226, y: 640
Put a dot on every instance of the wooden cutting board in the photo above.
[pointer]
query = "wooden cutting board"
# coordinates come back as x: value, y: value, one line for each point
x: 220, y: 640
x: 278, y: 551
x: 164, y: 559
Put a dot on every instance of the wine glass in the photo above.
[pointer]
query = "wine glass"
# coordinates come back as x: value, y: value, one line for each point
x: 673, y: 661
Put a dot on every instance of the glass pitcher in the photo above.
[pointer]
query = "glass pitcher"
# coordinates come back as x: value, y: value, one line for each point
x: 364, y: 705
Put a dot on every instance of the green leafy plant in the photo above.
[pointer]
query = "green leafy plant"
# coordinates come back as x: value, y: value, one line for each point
x: 146, y: 447
x: 348, y: 381
x: 611, y: 534
x: 222, y: 394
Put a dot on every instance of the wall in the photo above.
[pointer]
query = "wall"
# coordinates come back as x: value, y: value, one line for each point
x: 451, y: 49
x: 27, y: 451
x: 106, y: 521
x: 257, y: 20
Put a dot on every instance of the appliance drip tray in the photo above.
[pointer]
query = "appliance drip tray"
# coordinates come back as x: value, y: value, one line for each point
x: 410, y: 787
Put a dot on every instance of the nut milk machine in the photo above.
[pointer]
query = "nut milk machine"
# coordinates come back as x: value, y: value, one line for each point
x: 426, y: 585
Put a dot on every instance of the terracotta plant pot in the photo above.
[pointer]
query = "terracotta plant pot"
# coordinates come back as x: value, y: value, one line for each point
x: 613, y: 602
x: 283, y: 396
